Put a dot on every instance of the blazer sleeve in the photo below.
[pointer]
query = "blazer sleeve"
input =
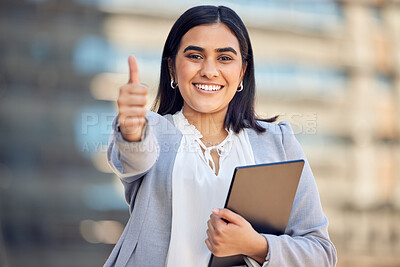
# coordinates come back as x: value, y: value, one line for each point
x: 306, y: 240
x: 131, y: 160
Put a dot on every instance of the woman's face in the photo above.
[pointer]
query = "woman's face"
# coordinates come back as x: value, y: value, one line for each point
x: 208, y: 68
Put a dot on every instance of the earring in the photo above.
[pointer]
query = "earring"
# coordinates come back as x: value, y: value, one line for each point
x: 172, y: 84
x: 240, y: 88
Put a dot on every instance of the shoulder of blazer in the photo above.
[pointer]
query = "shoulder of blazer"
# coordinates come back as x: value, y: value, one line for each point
x: 267, y: 146
x: 161, y: 124
x: 270, y: 129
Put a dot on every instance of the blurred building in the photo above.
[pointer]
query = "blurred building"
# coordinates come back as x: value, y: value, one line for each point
x: 330, y: 68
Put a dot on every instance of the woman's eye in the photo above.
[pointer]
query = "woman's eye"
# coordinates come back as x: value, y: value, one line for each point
x: 225, y: 58
x: 194, y: 56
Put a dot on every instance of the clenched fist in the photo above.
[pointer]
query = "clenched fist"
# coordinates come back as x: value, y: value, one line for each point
x: 131, y: 105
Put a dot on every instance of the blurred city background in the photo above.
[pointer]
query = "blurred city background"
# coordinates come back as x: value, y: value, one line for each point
x: 330, y: 68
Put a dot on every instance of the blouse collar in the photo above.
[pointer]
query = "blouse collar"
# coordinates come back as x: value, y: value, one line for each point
x: 191, y: 131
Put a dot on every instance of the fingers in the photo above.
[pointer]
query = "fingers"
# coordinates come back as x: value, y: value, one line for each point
x: 216, y: 228
x: 210, y: 224
x: 131, y: 125
x: 216, y: 222
x: 128, y: 100
x: 132, y: 111
x: 138, y: 89
x: 131, y: 117
x: 133, y: 70
x: 229, y: 215
x: 215, y: 235
x: 209, y: 245
x: 210, y: 236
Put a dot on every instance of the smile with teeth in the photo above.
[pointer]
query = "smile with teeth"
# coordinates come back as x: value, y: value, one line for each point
x: 206, y: 87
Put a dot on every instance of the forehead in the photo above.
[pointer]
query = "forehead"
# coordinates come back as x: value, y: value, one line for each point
x: 216, y: 35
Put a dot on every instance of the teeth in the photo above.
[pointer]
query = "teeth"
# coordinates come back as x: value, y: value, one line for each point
x: 208, y: 87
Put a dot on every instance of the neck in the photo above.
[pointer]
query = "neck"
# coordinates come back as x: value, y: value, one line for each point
x: 210, y: 125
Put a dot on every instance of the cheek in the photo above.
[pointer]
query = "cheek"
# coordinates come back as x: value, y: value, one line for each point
x: 186, y: 71
x: 232, y: 73
x: 232, y: 77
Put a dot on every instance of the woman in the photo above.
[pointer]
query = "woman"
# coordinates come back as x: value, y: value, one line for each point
x: 176, y: 165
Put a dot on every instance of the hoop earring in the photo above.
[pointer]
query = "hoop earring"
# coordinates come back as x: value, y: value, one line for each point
x: 172, y: 84
x: 240, y: 88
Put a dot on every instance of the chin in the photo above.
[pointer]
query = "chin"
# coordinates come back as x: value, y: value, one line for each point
x: 209, y: 110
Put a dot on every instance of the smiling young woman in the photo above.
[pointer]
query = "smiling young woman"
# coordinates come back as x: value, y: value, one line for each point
x: 176, y: 164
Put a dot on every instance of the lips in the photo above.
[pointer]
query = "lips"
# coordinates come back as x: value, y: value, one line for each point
x: 208, y: 87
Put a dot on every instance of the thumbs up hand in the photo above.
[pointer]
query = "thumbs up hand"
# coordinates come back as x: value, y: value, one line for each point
x: 131, y: 105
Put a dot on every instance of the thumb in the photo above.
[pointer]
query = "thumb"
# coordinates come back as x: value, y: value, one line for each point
x: 133, y: 70
x: 228, y: 215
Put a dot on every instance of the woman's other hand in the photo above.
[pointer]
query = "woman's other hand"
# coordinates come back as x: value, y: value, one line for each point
x: 235, y: 237
x: 131, y: 105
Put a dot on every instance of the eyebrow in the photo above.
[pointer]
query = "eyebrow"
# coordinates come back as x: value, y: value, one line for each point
x: 200, y: 49
x: 226, y: 49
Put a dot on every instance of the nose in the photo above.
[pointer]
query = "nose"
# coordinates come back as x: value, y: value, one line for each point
x: 209, y: 69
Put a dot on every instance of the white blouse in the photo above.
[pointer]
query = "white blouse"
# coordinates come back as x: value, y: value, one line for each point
x: 196, y: 189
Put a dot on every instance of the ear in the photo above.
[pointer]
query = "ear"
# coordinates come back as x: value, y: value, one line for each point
x: 243, y: 70
x: 171, y: 68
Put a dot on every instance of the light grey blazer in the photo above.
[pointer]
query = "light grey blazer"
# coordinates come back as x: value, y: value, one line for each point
x: 147, y: 182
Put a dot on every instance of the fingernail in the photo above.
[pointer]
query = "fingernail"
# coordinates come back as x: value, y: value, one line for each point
x: 215, y: 210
